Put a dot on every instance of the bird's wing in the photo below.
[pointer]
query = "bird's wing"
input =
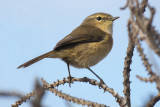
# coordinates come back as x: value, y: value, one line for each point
x: 82, y: 34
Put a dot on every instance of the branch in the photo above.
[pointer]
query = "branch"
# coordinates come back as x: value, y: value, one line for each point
x: 153, y: 101
x: 143, y: 26
x: 40, y: 92
x: 127, y: 63
x: 51, y: 87
x: 143, y: 5
x: 147, y: 31
x: 23, y: 99
x: 143, y: 56
x: 126, y: 5
x: 145, y: 79
x: 11, y: 94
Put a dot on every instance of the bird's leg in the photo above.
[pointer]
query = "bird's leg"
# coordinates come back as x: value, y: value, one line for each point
x: 101, y: 81
x: 69, y: 75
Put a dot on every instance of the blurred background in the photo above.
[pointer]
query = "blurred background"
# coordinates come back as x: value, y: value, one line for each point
x: 29, y: 28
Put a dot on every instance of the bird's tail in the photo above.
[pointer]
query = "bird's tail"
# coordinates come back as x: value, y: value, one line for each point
x: 32, y: 61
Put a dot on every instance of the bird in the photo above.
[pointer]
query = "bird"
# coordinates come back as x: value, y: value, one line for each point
x: 85, y: 46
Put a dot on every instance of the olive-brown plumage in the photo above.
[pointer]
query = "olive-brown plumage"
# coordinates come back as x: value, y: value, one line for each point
x: 86, y: 45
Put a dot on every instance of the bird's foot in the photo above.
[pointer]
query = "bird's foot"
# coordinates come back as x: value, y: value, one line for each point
x: 70, y: 80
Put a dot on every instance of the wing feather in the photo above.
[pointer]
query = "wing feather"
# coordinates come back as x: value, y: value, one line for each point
x: 82, y: 34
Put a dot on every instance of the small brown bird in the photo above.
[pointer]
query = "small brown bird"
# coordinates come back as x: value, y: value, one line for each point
x: 85, y: 46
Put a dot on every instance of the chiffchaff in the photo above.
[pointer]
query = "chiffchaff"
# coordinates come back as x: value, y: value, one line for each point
x: 86, y: 45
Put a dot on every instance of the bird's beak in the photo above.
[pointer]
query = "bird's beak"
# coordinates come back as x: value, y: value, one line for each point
x: 114, y: 18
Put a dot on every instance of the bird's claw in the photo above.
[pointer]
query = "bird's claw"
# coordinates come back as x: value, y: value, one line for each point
x: 70, y: 81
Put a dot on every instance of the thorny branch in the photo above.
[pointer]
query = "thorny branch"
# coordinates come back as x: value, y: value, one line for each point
x: 23, y: 99
x: 38, y: 93
x: 143, y: 56
x: 51, y: 87
x: 148, y: 32
x: 145, y: 60
x: 145, y: 31
x: 127, y: 63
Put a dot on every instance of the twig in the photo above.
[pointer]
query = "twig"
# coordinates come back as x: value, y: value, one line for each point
x: 143, y: 5
x: 153, y: 101
x: 145, y: 79
x: 143, y: 56
x: 23, y: 99
x: 147, y: 65
x: 68, y: 97
x: 120, y: 99
x: 146, y: 28
x: 127, y: 63
x: 11, y: 94
x: 147, y: 32
x: 124, y: 7
x: 40, y: 92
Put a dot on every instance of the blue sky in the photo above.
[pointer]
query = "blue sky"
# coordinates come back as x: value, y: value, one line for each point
x: 30, y: 28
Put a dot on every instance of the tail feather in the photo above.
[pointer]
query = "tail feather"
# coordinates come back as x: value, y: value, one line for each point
x: 32, y: 61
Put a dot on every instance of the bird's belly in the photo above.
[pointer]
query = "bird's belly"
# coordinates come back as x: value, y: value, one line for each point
x: 89, y: 54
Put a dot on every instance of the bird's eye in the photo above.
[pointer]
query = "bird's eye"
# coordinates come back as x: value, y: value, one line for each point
x: 99, y: 18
